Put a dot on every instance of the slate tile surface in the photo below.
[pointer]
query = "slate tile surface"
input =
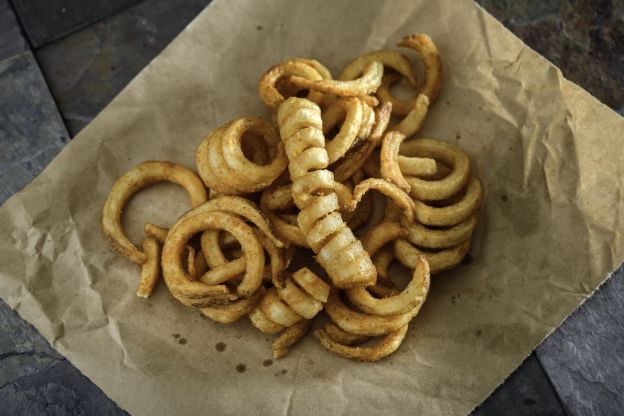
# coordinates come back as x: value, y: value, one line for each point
x: 46, y: 20
x: 525, y: 392
x: 31, y: 131
x: 86, y: 70
x: 585, y: 356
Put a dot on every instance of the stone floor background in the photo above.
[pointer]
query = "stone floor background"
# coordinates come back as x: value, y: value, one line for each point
x: 62, y: 61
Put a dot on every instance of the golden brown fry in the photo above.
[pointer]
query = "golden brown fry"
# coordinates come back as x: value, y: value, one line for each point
x: 264, y: 324
x: 414, y: 120
x: 277, y: 311
x: 409, y: 254
x: 178, y: 280
x: 312, y: 284
x: 355, y: 159
x: 382, y: 261
x: 336, y: 248
x: 451, y: 214
x: 380, y: 235
x: 413, y: 296
x: 150, y: 270
x: 447, y: 153
x: 386, y: 346
x: 351, y: 111
x: 343, y: 337
x: 155, y: 232
x: 399, y: 107
x: 298, y: 300
x: 242, y: 207
x: 136, y: 179
x: 223, y: 165
x: 366, y: 84
x: 267, y: 88
x: 390, y: 59
x: 393, y: 192
x: 226, y: 314
x: 433, y: 66
x: 428, y: 238
x: 288, y: 338
x: 362, y: 323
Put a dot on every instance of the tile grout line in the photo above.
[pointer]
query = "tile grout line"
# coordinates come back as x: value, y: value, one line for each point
x: 31, y: 49
x: 70, y: 31
x: 552, y: 385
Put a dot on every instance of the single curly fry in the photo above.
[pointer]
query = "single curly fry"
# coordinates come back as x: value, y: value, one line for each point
x: 386, y: 346
x: 431, y: 58
x: 455, y: 212
x: 351, y: 111
x: 223, y: 165
x: 338, y: 251
x: 366, y: 84
x: 409, y: 254
x: 139, y: 177
x: 267, y: 87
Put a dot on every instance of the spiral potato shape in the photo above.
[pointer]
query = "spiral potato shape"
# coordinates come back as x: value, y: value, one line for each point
x: 336, y: 248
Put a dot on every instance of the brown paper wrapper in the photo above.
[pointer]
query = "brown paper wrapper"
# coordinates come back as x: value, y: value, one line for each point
x: 548, y: 154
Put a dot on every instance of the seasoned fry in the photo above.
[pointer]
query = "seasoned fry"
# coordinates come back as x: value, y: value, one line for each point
x: 226, y: 314
x: 433, y: 66
x: 409, y: 254
x: 451, y: 214
x: 351, y: 111
x: 366, y: 84
x: 150, y: 270
x: 267, y: 88
x: 300, y: 121
x: 223, y: 165
x: 293, y: 334
x: 178, y: 280
x: 311, y: 177
x: 136, y: 179
x: 355, y: 159
x: 449, y: 154
x: 386, y: 346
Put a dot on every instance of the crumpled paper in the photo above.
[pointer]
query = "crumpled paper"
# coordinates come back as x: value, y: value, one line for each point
x: 548, y: 154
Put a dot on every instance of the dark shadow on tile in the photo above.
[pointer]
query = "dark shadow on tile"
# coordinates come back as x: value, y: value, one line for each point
x: 525, y: 392
x: 48, y: 20
x: 87, y: 69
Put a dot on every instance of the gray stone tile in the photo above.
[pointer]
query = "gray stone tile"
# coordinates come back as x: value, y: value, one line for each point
x: 31, y: 130
x: 45, y: 20
x: 11, y: 39
x: 585, y: 356
x: 525, y: 392
x: 23, y: 351
x: 58, y: 390
x: 86, y: 70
